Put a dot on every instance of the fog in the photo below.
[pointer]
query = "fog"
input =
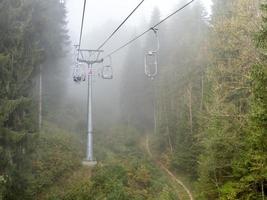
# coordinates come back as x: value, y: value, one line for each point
x: 101, y: 12
x: 101, y: 18
x: 173, y: 106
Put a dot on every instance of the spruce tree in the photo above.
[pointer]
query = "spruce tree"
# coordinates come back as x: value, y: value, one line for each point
x: 31, y: 32
x: 19, y: 56
x: 180, y: 88
x: 231, y: 54
x: 250, y: 169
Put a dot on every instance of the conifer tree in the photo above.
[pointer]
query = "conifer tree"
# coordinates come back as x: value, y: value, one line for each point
x: 27, y: 40
x: 250, y: 169
x: 232, y: 53
x: 180, y: 88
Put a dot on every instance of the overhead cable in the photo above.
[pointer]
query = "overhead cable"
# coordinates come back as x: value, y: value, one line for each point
x: 106, y: 41
x: 81, y: 32
x: 151, y: 28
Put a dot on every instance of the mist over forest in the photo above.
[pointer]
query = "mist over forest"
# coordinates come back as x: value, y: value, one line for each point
x: 173, y: 107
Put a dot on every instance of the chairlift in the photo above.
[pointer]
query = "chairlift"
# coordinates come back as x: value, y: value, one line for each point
x: 107, y: 71
x: 79, y: 74
x: 151, y: 59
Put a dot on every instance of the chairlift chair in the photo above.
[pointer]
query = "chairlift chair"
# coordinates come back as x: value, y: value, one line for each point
x: 107, y: 71
x: 151, y: 59
x: 79, y: 74
x: 151, y: 65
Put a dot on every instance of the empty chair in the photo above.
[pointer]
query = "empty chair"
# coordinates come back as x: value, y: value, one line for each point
x: 151, y: 65
x: 151, y: 59
x: 107, y: 71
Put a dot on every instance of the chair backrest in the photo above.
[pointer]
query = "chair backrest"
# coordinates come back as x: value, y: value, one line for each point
x: 151, y: 64
x: 78, y: 73
x: 151, y: 59
x: 107, y: 72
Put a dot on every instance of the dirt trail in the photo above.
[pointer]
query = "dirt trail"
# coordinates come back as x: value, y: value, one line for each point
x: 167, y: 171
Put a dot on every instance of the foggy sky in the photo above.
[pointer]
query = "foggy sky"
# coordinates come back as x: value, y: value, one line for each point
x: 101, y: 12
x: 102, y: 17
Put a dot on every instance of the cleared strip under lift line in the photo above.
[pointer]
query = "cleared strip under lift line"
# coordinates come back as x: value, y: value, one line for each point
x: 168, y: 171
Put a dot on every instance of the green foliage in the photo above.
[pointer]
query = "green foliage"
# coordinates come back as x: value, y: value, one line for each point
x: 57, y: 153
x: 121, y: 145
x: 232, y: 163
x: 22, y: 49
x: 209, y: 105
x: 180, y: 89
x: 167, y: 193
x: 18, y: 59
x: 261, y: 36
x: 250, y: 171
x: 123, y: 173
x: 109, y: 182
x: 211, y: 115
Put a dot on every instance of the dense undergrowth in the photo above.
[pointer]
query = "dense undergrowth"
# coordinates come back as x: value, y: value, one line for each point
x: 123, y: 172
x: 57, y: 153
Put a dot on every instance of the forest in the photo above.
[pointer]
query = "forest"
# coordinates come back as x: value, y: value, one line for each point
x: 197, y: 130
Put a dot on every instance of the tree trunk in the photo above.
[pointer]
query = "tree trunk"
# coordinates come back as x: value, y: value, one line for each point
x: 202, y: 92
x: 189, y: 91
x: 155, y: 107
x: 169, y: 139
x: 40, y: 98
x: 168, y: 131
x: 262, y: 190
